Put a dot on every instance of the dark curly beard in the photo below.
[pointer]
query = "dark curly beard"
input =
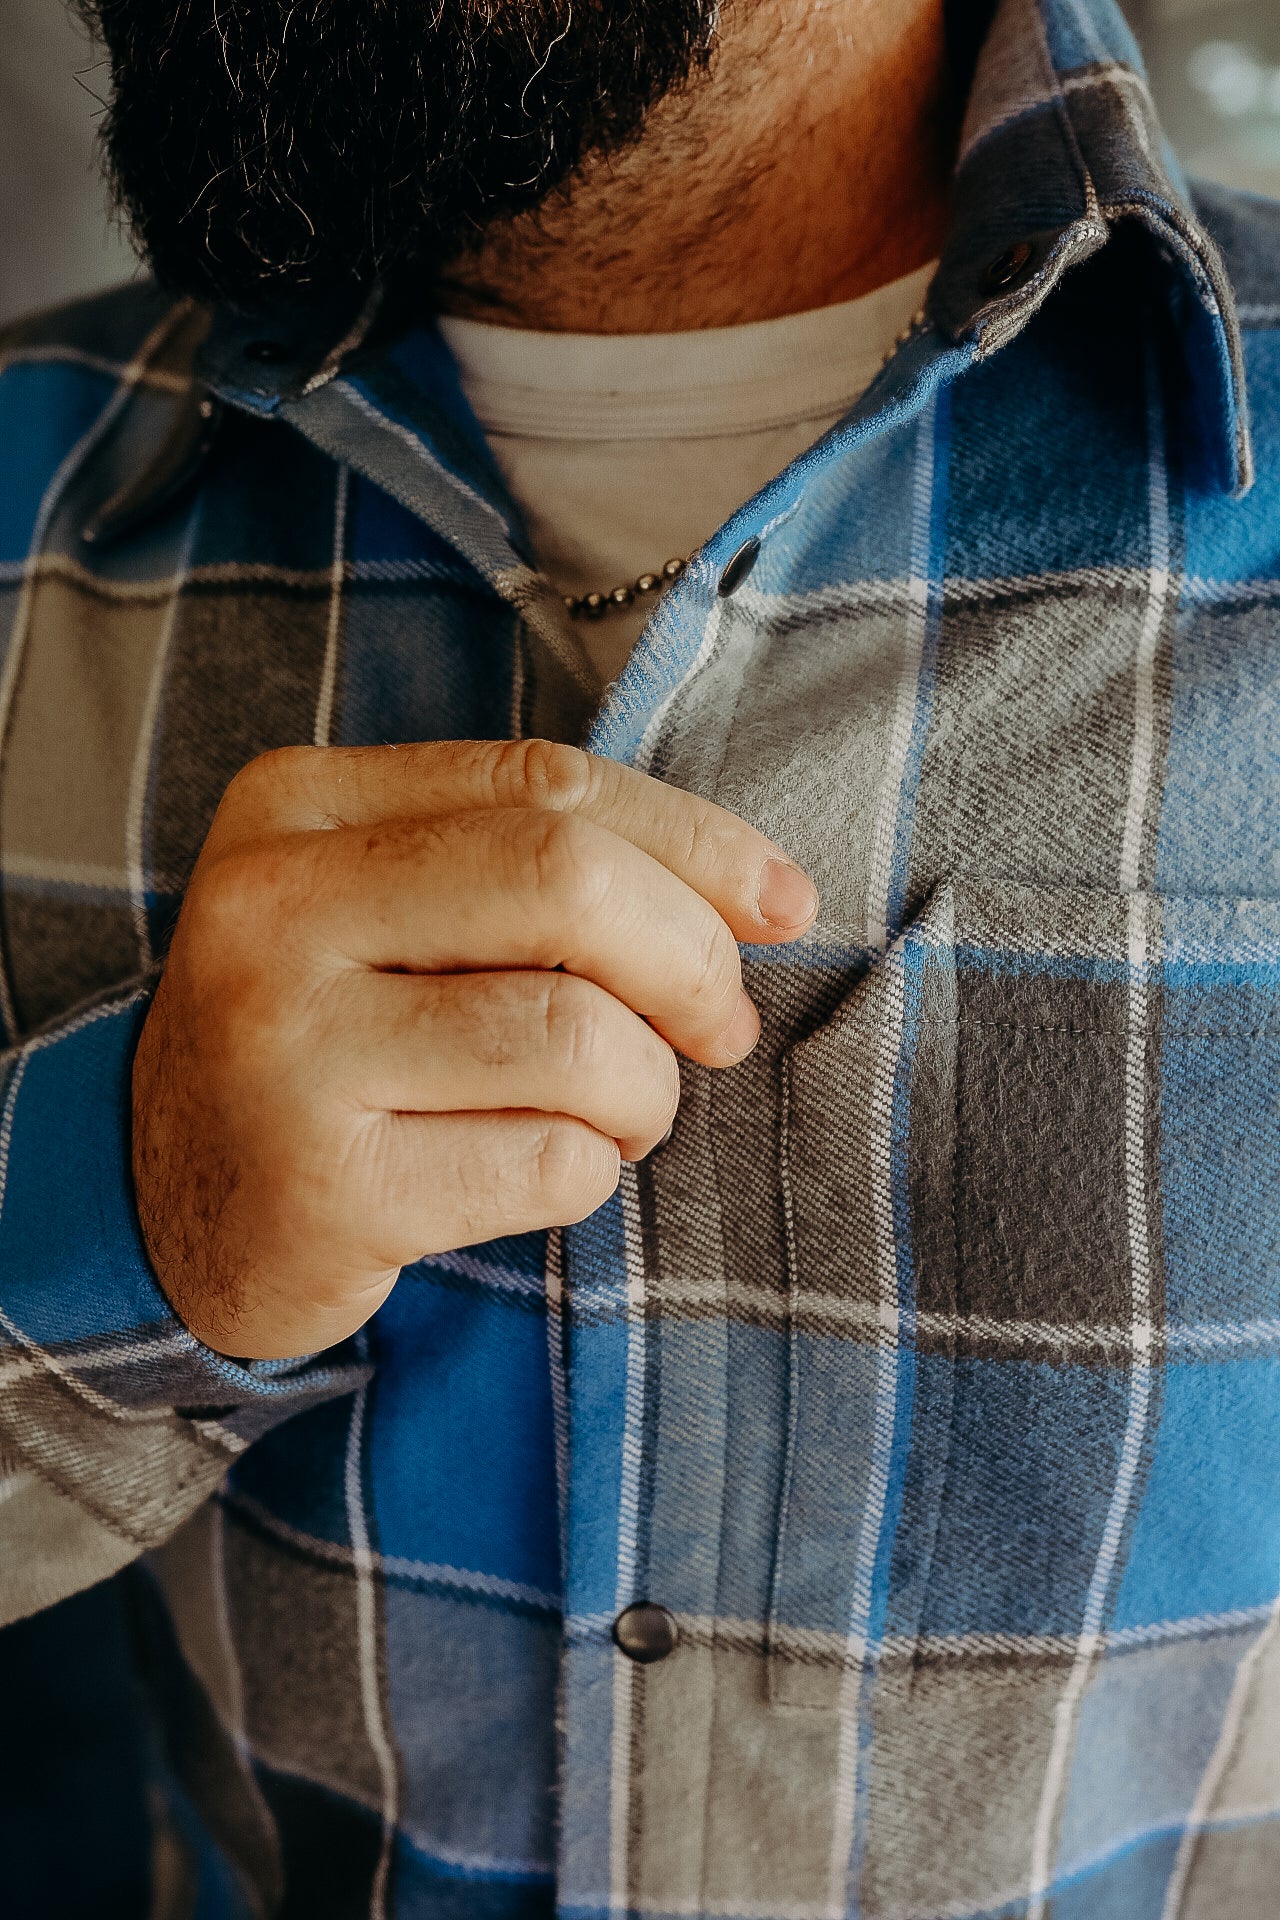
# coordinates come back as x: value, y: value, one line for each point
x: 260, y: 147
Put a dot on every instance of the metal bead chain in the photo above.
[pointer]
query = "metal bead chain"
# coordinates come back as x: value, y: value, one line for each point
x: 594, y: 606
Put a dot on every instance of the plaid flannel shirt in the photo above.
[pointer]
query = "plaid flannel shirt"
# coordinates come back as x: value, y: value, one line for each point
x: 930, y: 1376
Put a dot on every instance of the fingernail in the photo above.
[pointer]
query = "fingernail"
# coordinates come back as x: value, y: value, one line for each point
x: 787, y: 897
x: 743, y: 1030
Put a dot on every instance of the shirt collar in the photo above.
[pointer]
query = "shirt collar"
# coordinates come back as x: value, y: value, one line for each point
x: 1060, y: 143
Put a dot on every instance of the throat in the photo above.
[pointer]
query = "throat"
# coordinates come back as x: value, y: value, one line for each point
x: 807, y: 166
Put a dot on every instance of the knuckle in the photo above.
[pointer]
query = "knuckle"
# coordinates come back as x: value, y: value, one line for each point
x: 706, y: 845
x: 571, y: 1165
x: 542, y: 773
x: 277, y: 771
x: 221, y: 901
x: 573, y: 1022
x: 239, y: 926
x: 567, y: 863
x: 718, y: 971
x: 229, y: 899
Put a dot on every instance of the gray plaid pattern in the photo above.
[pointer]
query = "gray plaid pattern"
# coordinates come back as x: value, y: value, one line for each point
x: 928, y: 1376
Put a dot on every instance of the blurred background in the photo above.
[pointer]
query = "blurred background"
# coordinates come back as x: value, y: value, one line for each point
x: 1215, y: 65
x: 1216, y: 70
x: 56, y: 239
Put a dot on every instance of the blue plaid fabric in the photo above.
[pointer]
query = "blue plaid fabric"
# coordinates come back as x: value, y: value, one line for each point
x: 930, y: 1375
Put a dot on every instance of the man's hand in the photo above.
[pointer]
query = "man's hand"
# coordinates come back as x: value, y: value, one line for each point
x: 419, y: 997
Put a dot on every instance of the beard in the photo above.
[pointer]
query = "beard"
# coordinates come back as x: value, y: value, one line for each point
x: 281, y: 147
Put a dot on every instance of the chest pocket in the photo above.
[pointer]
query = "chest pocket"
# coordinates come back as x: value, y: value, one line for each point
x: 1031, y: 1169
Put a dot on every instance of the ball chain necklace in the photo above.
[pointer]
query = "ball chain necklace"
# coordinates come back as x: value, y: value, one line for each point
x: 595, y: 605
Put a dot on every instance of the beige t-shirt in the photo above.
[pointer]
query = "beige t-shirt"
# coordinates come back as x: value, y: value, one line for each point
x: 626, y: 450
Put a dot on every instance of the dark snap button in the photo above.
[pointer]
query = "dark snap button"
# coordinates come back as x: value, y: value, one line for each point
x: 739, y: 567
x: 1009, y: 267
x: 645, y: 1633
x: 267, y: 353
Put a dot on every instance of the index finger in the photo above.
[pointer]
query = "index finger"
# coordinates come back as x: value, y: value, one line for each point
x: 762, y: 895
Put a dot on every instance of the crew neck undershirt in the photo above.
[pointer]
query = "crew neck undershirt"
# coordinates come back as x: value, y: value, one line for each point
x: 626, y: 450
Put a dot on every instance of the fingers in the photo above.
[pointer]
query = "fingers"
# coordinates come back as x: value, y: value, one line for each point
x: 758, y: 892
x: 514, y: 889
x: 551, y: 1042
x: 456, y: 1180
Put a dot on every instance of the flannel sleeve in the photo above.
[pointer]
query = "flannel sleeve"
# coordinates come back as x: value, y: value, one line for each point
x: 115, y: 1422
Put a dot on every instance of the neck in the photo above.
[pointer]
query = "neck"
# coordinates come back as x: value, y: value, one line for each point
x: 808, y: 166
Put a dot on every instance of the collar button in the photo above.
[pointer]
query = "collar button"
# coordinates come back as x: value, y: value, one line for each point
x: 267, y: 353
x: 1009, y: 269
x: 739, y: 567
